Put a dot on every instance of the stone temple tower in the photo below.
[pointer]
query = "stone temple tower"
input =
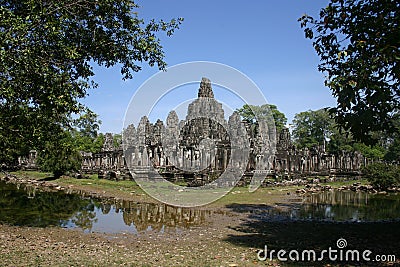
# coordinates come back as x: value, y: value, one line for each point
x: 205, y: 105
x: 205, y: 89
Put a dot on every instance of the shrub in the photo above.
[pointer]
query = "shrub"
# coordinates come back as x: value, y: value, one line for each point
x: 60, y: 157
x: 382, y: 176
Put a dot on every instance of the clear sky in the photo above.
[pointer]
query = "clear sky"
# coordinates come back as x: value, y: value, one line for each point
x: 260, y: 38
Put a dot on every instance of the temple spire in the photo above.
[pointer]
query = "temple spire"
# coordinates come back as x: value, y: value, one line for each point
x: 205, y: 89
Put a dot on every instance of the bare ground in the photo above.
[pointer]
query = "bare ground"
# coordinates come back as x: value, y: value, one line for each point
x: 202, y: 246
x: 230, y: 238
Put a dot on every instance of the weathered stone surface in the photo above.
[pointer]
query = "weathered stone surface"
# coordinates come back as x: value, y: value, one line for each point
x: 108, y: 142
x: 206, y: 106
x: 200, y: 148
x: 205, y: 88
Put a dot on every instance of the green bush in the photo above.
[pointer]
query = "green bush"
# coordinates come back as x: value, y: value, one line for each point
x: 60, y: 157
x: 382, y: 176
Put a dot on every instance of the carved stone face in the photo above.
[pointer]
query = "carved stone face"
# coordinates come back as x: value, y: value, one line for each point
x: 205, y: 88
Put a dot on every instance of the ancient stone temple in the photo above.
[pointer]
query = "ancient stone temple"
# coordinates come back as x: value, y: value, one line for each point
x: 316, y: 160
x: 194, y: 150
x: 198, y: 149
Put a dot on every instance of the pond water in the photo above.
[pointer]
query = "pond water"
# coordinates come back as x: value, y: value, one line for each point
x: 336, y: 206
x: 22, y: 205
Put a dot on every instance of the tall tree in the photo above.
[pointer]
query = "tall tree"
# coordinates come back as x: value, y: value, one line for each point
x: 88, y: 124
x: 251, y: 113
x: 393, y: 151
x: 47, y: 49
x: 84, y: 134
x: 60, y: 155
x: 313, y: 128
x: 358, y: 42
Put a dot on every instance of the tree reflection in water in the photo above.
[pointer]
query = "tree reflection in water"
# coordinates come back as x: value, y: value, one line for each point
x: 22, y: 205
x: 334, y: 206
x: 25, y: 205
x: 351, y: 206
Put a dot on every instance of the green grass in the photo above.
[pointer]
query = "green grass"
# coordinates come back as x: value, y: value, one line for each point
x: 33, y: 174
x: 93, y: 177
x: 339, y: 183
x: 263, y: 195
x: 238, y: 195
x: 93, y: 180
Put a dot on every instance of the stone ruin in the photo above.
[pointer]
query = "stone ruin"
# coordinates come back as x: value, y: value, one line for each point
x: 28, y: 162
x: 198, y: 150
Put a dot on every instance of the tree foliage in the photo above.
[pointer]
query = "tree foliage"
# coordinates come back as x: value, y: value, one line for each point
x: 84, y: 134
x: 47, y: 49
x: 371, y: 151
x: 382, y: 176
x: 60, y: 156
x: 252, y: 113
x: 88, y: 124
x: 312, y: 128
x: 393, y: 153
x: 358, y: 43
x: 117, y: 140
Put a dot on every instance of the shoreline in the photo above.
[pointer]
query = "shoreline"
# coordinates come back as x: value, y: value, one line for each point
x: 227, y: 239
x: 130, y: 191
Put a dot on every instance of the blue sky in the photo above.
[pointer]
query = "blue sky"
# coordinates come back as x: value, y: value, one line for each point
x: 260, y: 38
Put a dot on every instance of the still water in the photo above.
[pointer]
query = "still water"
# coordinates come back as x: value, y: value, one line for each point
x: 22, y: 205
x: 335, y: 206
